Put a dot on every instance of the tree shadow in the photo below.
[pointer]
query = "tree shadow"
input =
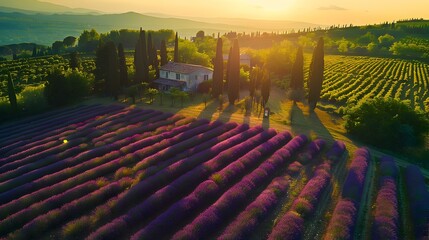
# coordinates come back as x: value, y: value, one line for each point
x: 266, y: 122
x: 209, y: 110
x: 304, y: 121
x: 226, y: 114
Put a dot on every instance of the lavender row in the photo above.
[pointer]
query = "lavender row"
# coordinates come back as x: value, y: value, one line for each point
x: 16, y: 220
x: 62, y: 164
x: 165, y: 176
x: 75, y: 131
x: 342, y: 223
x: 343, y: 220
x: 16, y: 129
x: 17, y: 125
x: 102, y: 133
x: 184, y: 156
x: 265, y: 203
x: 209, y: 221
x: 96, y: 167
x: 40, y: 225
x: 291, y: 225
x: 27, y: 148
x: 183, y: 146
x: 311, y: 151
x: 37, y: 133
x: 186, y: 207
x: 167, y: 195
x: 386, y: 215
x: 80, y: 226
x: 354, y: 183
x: 255, y: 212
x: 418, y: 196
x: 78, y: 136
x: 62, y: 155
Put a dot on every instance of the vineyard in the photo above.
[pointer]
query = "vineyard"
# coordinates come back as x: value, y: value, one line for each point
x: 357, y: 79
x: 115, y: 172
x: 33, y: 71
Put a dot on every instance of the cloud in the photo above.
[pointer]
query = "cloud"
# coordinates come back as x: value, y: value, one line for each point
x: 332, y: 7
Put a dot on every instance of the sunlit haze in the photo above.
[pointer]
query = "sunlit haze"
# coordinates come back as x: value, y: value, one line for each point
x: 321, y: 12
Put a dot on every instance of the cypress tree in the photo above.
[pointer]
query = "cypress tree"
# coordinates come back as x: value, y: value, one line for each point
x: 163, y: 53
x: 112, y: 80
x: 138, y: 60
x: 101, y: 68
x: 255, y: 80
x: 217, y: 88
x: 12, y: 94
x: 34, y: 51
x: 176, y: 49
x: 150, y: 48
x: 265, y: 87
x: 152, y: 55
x: 228, y: 67
x: 297, y: 81
x: 123, y: 71
x: 155, y: 62
x: 145, y: 57
x: 234, y: 74
x: 315, y: 78
x: 74, y: 60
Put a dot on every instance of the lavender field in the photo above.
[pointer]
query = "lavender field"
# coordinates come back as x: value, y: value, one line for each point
x: 116, y: 172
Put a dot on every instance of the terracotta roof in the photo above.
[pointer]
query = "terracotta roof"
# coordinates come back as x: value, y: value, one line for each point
x: 169, y: 82
x: 183, y: 67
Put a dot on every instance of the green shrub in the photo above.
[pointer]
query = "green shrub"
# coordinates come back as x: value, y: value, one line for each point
x: 63, y: 88
x: 387, y: 123
x: 32, y: 99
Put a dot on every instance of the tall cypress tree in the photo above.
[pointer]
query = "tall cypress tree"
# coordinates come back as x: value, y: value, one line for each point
x: 138, y: 60
x: 123, y: 71
x: 145, y: 57
x: 101, y: 68
x: 152, y: 55
x: 217, y: 87
x: 176, y: 49
x: 297, y: 79
x: 112, y: 80
x: 315, y: 78
x: 228, y: 67
x: 265, y: 87
x: 234, y: 74
x: 163, y: 53
x: 12, y: 94
x: 74, y: 60
x: 155, y: 62
x: 150, y: 48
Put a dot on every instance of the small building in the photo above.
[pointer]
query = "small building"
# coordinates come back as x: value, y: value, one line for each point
x: 244, y: 59
x: 184, y: 76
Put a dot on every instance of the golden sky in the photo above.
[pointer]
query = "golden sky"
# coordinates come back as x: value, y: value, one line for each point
x: 321, y: 12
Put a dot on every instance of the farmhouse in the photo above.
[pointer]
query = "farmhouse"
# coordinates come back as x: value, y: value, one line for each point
x: 244, y: 59
x: 184, y: 76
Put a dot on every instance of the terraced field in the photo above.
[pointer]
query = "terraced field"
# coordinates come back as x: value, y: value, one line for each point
x: 115, y: 172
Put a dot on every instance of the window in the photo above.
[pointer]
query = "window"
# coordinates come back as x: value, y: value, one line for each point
x: 206, y: 77
x: 177, y: 76
x: 196, y: 77
x: 166, y: 74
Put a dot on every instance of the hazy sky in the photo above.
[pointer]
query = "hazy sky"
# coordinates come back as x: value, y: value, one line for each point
x: 315, y: 11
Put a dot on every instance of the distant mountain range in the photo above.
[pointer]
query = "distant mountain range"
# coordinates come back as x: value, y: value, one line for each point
x: 32, y: 6
x: 44, y: 23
